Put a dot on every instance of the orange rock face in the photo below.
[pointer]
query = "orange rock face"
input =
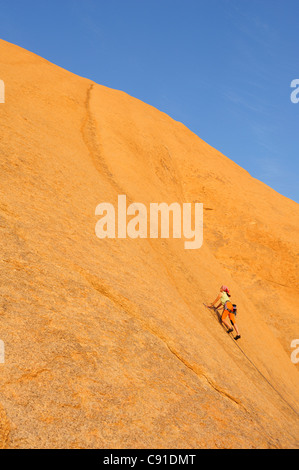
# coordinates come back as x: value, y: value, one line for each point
x: 107, y: 342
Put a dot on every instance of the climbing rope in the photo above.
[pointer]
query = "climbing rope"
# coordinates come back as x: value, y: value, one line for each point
x: 252, y: 363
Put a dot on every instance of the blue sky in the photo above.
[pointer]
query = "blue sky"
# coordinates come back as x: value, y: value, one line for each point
x: 221, y: 67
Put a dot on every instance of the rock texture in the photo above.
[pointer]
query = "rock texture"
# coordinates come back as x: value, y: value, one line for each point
x: 107, y: 342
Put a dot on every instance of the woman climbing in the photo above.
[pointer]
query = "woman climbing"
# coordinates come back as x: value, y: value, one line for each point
x: 228, y: 309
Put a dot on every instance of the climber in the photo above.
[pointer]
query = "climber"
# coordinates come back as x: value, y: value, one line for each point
x: 228, y: 309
